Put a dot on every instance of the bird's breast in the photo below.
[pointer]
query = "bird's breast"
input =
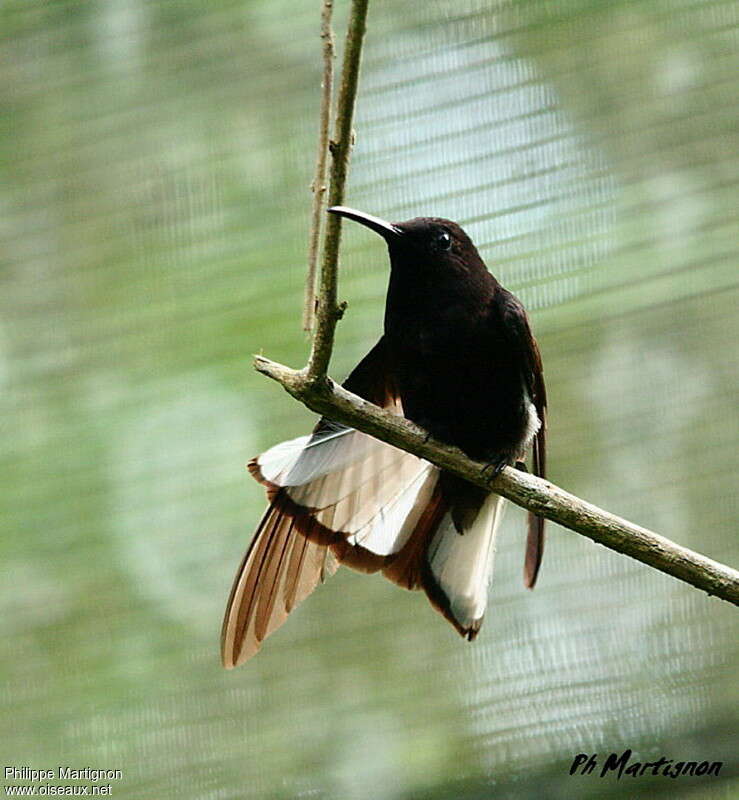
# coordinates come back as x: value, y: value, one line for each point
x: 460, y: 381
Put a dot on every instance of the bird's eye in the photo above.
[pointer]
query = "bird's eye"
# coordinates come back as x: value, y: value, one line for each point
x: 443, y: 241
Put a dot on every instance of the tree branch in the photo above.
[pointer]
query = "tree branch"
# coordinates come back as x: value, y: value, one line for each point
x: 319, y: 181
x: 328, y: 311
x: 528, y: 491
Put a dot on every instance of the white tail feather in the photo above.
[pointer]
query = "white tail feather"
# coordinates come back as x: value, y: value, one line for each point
x: 462, y: 563
x: 389, y: 529
x: 355, y: 484
x: 276, y: 463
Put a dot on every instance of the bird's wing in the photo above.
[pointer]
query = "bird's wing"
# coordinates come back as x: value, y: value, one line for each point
x: 337, y: 496
x: 516, y: 326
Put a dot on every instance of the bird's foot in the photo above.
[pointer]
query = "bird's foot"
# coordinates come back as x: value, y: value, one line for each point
x: 521, y: 466
x: 494, y: 467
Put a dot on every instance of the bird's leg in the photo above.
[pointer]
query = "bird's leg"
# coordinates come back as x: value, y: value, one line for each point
x: 521, y: 466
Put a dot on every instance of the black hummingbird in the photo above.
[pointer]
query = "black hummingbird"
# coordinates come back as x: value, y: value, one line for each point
x: 458, y: 358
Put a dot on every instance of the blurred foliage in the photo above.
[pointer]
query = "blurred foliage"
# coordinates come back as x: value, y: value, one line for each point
x: 155, y: 161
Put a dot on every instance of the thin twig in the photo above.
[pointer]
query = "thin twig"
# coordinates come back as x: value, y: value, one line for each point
x: 328, y: 311
x: 528, y: 491
x: 319, y: 180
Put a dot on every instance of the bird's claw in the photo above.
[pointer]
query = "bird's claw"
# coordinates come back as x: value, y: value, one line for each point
x: 494, y: 467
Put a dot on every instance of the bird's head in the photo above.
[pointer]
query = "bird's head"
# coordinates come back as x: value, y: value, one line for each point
x: 432, y: 245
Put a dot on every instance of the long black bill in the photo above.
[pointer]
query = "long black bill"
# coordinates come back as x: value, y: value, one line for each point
x: 385, y: 229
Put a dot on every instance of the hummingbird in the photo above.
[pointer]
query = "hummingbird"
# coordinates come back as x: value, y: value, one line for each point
x: 458, y: 358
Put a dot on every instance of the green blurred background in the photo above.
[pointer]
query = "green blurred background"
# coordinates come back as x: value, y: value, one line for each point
x: 154, y: 203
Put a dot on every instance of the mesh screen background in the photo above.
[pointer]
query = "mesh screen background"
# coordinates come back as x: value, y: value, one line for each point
x: 155, y: 160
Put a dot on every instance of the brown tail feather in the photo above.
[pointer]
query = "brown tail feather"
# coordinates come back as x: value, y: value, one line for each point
x: 280, y: 569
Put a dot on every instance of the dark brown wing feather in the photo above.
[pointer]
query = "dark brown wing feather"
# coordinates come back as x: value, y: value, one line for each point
x: 535, y: 537
x: 517, y: 327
